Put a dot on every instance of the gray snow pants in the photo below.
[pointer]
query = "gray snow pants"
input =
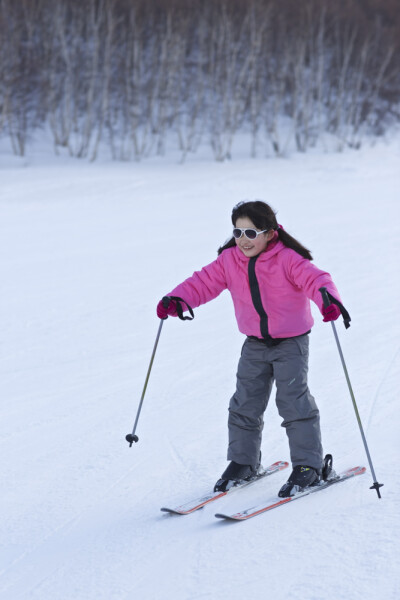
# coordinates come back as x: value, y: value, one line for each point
x: 259, y: 366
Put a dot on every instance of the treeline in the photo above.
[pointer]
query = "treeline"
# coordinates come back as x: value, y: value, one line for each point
x: 134, y: 74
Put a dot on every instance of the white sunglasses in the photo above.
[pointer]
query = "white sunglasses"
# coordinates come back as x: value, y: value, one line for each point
x: 251, y: 234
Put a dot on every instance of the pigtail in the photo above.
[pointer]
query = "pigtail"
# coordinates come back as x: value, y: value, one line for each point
x: 230, y: 243
x: 291, y: 242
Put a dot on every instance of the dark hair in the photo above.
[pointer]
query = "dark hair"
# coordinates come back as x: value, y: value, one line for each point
x: 263, y: 217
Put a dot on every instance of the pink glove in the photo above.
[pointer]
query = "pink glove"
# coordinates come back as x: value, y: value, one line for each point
x: 163, y: 312
x: 331, y: 313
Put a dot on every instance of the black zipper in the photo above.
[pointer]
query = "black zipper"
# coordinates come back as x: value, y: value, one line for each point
x: 256, y: 297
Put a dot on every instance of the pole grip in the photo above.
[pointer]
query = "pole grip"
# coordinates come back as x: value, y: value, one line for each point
x: 166, y: 300
x: 325, y: 297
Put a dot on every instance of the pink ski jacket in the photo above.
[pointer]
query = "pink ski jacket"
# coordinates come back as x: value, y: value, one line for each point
x: 286, y: 282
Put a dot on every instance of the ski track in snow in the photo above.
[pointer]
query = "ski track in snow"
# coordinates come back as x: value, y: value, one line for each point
x: 86, y: 252
x: 392, y: 369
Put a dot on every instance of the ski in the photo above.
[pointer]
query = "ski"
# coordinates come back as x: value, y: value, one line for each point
x: 258, y: 510
x: 193, y: 505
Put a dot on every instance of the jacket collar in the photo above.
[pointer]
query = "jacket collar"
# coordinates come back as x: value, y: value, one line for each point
x: 274, y: 246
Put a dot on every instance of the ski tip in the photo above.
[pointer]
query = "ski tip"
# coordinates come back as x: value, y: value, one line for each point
x: 171, y: 511
x: 355, y: 471
x: 275, y: 467
x: 177, y: 511
x: 226, y: 517
x: 281, y: 464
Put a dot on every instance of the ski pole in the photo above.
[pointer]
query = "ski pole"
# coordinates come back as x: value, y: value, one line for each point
x: 376, y: 485
x: 132, y: 437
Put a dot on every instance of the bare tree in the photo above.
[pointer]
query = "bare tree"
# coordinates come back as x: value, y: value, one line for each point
x: 104, y: 108
x: 136, y: 74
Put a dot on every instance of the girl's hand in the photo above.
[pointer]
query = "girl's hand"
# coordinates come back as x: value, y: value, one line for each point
x: 331, y: 313
x: 164, y: 311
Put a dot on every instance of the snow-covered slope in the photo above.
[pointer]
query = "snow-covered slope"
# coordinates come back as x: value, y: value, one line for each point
x: 86, y: 252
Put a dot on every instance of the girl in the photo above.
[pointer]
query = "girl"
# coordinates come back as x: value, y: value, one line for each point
x: 271, y: 279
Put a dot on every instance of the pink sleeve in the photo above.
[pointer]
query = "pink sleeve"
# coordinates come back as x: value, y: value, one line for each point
x: 202, y: 286
x: 305, y: 275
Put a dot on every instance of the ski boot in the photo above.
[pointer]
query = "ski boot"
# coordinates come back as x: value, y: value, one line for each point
x: 236, y: 474
x: 303, y: 477
x: 300, y: 478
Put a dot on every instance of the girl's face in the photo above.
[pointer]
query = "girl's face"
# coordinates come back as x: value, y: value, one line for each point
x: 252, y: 248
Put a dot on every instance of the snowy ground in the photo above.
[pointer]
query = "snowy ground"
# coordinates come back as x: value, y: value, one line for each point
x: 86, y: 251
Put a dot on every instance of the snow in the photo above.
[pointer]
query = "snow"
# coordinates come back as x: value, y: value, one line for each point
x: 86, y: 252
